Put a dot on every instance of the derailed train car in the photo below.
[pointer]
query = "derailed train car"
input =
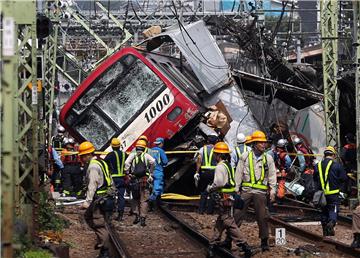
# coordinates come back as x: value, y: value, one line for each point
x: 139, y: 90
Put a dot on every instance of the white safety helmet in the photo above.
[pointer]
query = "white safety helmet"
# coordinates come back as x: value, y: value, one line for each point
x: 65, y: 141
x: 60, y: 129
x: 281, y: 143
x: 241, y: 138
x: 71, y: 141
x: 297, y: 141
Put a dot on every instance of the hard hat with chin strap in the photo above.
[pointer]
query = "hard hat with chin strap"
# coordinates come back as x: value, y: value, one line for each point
x: 221, y: 147
x: 141, y: 143
x: 281, y: 143
x: 60, y: 129
x: 258, y: 136
x: 330, y: 150
x: 86, y: 148
x: 115, y: 142
x: 297, y: 141
x: 144, y: 138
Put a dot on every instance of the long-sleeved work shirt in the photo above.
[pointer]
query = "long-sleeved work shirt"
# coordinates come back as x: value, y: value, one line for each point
x: 242, y: 173
x: 150, y: 161
x: 336, y: 177
x: 234, y: 155
x: 56, y: 158
x: 160, y: 158
x: 94, y: 180
x: 221, y: 177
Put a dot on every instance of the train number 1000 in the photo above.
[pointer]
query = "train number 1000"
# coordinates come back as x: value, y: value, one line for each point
x: 157, y: 107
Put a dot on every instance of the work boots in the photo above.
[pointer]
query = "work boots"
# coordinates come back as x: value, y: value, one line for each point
x: 227, y: 244
x: 137, y: 219
x: 104, y: 253
x: 142, y: 222
x: 119, y: 216
x: 248, y: 252
x: 329, y: 228
x: 265, y: 245
x: 356, y: 242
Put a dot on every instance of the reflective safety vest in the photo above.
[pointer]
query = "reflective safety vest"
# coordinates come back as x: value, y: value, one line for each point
x: 326, y: 188
x: 119, y: 165
x: 207, y: 159
x: 256, y: 184
x: 230, y: 185
x: 142, y: 158
x: 106, y: 176
x: 238, y: 151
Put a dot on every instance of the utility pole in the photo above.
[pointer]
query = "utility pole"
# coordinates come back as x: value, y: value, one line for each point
x: 356, y: 7
x: 329, y: 42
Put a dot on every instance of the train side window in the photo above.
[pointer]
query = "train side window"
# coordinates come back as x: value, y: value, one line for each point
x: 175, y: 113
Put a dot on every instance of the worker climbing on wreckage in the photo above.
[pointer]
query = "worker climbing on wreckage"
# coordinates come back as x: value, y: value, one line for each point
x: 283, y: 164
x: 223, y: 187
x: 99, y: 196
x: 140, y: 167
x: 204, y: 175
x: 329, y: 177
x: 161, y: 160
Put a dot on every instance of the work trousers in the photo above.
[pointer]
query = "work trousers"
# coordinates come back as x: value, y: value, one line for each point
x: 139, y: 204
x: 158, y: 187
x: 95, y: 218
x: 120, y: 186
x: 206, y: 202
x: 261, y: 211
x: 331, y: 210
x: 226, y: 222
x: 356, y: 220
x: 72, y: 178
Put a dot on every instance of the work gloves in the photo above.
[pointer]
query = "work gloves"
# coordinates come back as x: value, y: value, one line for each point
x: 197, y: 179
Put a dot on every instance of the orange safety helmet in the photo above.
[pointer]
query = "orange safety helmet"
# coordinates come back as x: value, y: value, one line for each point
x: 221, y: 147
x: 144, y: 138
x: 86, y: 148
x: 330, y: 149
x: 115, y: 142
x: 141, y: 143
x: 258, y: 136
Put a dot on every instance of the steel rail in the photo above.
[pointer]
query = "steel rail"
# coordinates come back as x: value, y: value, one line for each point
x: 117, y: 243
x: 194, y: 233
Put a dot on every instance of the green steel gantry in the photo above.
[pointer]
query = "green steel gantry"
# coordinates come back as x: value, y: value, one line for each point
x: 329, y: 41
x: 19, y: 109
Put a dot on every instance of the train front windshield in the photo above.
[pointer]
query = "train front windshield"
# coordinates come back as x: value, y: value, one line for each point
x: 113, y: 99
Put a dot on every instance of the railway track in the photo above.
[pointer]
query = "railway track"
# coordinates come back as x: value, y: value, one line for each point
x: 166, y: 235
x: 312, y: 235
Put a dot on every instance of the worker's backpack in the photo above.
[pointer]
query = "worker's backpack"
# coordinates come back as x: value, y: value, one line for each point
x: 139, y: 166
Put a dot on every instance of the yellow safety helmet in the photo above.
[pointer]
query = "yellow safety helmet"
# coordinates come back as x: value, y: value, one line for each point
x: 258, y: 136
x: 248, y: 139
x: 330, y: 149
x: 144, y: 138
x: 115, y: 142
x: 141, y: 143
x: 86, y: 148
x: 221, y: 147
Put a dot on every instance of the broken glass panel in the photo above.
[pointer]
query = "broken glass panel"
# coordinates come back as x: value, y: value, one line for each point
x: 94, y: 128
x: 130, y: 93
x: 106, y: 79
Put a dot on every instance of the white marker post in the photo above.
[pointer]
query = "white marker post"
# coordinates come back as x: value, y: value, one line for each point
x: 280, y: 236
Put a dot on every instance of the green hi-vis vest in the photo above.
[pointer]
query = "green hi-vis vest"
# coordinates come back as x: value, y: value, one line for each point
x: 326, y: 188
x: 207, y: 159
x: 106, y: 174
x: 253, y: 183
x: 238, y: 151
x: 142, y: 158
x: 119, y: 167
x: 230, y: 186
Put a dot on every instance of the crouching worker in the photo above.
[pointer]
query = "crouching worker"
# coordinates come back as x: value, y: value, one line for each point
x: 140, y: 166
x: 224, y: 186
x: 99, y: 196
